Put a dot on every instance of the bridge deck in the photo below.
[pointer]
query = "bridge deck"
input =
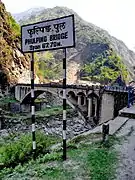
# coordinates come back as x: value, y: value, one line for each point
x: 82, y: 87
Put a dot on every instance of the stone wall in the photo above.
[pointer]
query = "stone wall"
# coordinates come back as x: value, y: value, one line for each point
x: 51, y: 125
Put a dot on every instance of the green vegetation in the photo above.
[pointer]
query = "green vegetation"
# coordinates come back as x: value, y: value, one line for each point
x: 47, y: 67
x: 85, y: 161
x: 100, y: 164
x: 20, y: 150
x: 105, y: 69
x: 14, y: 26
x: 7, y: 99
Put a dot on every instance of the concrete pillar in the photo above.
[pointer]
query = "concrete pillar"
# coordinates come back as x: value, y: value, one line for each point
x: 79, y: 100
x: 89, y: 107
x: 20, y: 90
x: 84, y: 104
x: 23, y: 92
x: 20, y: 93
x: 17, y: 91
x: 27, y: 89
x: 95, y: 102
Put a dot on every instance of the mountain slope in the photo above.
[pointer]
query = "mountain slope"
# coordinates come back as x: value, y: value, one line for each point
x: 14, y: 66
x: 28, y: 13
x: 91, y: 41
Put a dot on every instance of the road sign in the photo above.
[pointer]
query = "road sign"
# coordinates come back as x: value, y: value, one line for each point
x: 48, y: 35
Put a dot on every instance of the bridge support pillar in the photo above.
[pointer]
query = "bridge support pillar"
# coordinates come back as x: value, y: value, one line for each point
x: 79, y: 103
x: 79, y: 100
x: 89, y: 107
x: 17, y: 93
x: 96, y: 107
x: 84, y: 104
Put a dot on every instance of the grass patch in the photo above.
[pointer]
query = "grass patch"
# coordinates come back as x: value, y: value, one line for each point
x: 85, y: 161
x: 100, y: 162
x: 20, y: 151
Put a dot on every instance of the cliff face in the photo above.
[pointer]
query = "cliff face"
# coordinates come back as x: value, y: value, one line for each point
x: 13, y: 64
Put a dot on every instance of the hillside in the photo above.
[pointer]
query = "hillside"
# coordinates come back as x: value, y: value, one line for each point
x: 95, y: 49
x: 92, y: 42
x: 28, y: 13
x: 14, y: 66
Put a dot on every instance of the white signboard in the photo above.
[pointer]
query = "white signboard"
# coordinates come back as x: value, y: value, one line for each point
x: 47, y: 35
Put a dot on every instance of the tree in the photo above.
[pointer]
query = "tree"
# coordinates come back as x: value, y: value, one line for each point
x: 106, y: 69
x: 46, y: 66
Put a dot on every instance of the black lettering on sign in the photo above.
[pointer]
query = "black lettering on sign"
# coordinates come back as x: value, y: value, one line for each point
x: 55, y: 44
x: 59, y: 27
x: 55, y: 37
x: 37, y: 29
x: 31, y: 47
x: 45, y: 45
x: 41, y: 39
x: 37, y: 47
x: 36, y: 40
x: 26, y: 41
x: 47, y: 28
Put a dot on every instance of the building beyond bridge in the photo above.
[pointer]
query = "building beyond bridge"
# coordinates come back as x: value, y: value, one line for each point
x: 95, y: 104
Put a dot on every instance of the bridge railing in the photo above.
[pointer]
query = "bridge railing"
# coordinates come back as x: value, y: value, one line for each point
x: 116, y: 89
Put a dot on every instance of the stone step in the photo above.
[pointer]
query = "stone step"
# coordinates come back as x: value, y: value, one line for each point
x: 128, y: 112
x: 116, y: 124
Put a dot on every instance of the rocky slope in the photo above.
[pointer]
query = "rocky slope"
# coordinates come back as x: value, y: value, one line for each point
x: 14, y: 65
x: 91, y: 41
x: 28, y: 13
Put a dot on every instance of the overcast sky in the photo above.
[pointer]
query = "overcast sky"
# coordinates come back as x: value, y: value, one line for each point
x: 115, y: 16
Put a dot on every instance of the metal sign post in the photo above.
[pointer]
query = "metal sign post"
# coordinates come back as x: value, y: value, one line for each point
x: 42, y: 36
x: 64, y: 105
x: 33, y: 106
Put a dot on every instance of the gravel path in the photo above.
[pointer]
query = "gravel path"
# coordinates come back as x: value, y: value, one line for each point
x: 126, y: 169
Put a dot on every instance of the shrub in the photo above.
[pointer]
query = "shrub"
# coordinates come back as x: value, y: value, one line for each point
x: 14, y: 26
x: 20, y: 150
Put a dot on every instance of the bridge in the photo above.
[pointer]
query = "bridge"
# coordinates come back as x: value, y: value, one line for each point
x: 95, y: 104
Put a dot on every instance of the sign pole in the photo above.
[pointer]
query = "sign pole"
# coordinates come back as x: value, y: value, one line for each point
x: 43, y: 36
x: 64, y: 105
x: 33, y: 106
